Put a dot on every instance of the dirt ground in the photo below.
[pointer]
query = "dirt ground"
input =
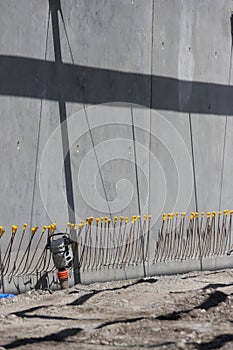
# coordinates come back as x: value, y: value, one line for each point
x: 191, y: 311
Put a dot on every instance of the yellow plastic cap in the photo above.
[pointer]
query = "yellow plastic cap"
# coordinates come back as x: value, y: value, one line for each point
x: 34, y: 229
x: 90, y: 219
x: 1, y: 231
x: 14, y: 228
x: 53, y: 226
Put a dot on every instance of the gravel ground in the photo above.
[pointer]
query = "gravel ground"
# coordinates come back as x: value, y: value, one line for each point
x: 191, y: 311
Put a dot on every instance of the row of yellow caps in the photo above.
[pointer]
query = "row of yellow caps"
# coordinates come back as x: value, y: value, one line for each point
x: 196, y: 214
x: 106, y: 219
x: 51, y: 228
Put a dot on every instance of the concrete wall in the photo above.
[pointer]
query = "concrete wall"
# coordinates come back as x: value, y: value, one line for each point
x: 61, y: 61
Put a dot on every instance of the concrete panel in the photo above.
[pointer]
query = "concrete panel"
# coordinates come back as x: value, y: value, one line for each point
x: 130, y: 51
x: 208, y: 131
x: 227, y: 169
x: 110, y: 34
x: 23, y: 27
x: 50, y: 199
x: 208, y: 137
x: 173, y: 146
x: 103, y: 160
x: 181, y: 50
x: 50, y: 202
x: 225, y: 201
x: 211, y: 65
x: 20, y: 117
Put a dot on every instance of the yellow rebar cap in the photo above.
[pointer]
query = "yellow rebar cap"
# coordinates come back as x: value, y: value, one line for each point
x: 53, y: 227
x: 14, y: 228
x: 1, y: 231
x: 34, y: 229
x: 134, y: 217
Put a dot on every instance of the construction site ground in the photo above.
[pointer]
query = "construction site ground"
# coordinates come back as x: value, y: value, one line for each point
x: 191, y: 311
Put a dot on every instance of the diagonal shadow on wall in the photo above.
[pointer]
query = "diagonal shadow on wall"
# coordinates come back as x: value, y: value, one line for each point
x: 26, y: 77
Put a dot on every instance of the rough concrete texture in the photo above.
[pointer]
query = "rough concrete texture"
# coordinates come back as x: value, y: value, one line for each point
x: 63, y: 159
